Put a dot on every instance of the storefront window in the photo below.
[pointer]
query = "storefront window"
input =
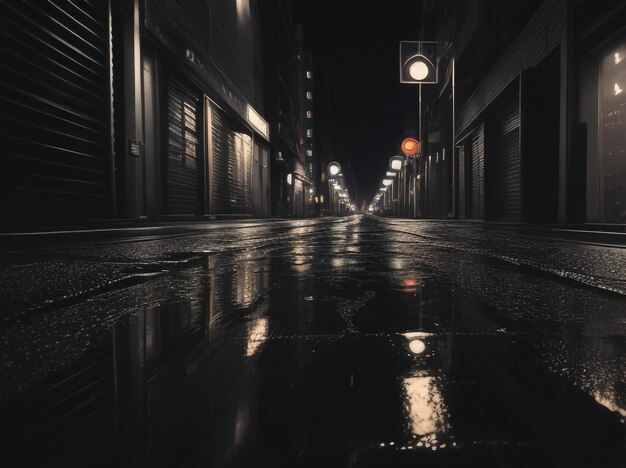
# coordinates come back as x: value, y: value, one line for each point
x: 613, y: 138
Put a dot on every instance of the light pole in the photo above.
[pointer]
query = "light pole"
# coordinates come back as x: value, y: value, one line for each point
x: 332, y: 172
x: 419, y: 65
x: 396, y: 163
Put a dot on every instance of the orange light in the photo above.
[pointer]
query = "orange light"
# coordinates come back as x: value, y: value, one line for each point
x: 409, y: 282
x: 411, y: 285
x: 410, y: 146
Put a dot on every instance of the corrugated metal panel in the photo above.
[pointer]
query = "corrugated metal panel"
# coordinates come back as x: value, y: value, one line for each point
x: 239, y: 171
x: 231, y: 165
x: 182, y: 162
x: 503, y: 168
x: 478, y: 174
x: 461, y: 176
x: 259, y: 181
x: 219, y: 197
x: 53, y: 108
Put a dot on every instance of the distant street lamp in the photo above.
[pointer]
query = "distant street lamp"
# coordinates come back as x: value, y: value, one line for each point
x: 333, y: 172
x: 395, y: 163
x: 334, y: 168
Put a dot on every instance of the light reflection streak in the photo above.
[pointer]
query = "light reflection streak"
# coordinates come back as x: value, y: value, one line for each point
x: 257, y: 334
x: 425, y: 409
x: 608, y: 401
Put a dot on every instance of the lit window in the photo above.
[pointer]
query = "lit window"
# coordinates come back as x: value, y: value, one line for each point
x: 309, y: 114
x: 612, y: 126
x: 309, y: 133
x: 309, y: 74
x: 309, y: 95
x: 309, y: 153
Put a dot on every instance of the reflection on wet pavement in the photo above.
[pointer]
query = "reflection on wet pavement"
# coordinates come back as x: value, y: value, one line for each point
x: 336, y: 345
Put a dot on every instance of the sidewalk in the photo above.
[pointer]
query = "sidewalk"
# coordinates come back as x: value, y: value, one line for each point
x: 30, y: 238
x: 610, y: 235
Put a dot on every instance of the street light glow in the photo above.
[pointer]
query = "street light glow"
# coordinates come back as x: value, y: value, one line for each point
x: 387, y: 182
x: 334, y: 169
x: 417, y: 346
x: 418, y: 70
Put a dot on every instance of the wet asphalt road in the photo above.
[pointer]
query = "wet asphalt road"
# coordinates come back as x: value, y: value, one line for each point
x: 353, y: 342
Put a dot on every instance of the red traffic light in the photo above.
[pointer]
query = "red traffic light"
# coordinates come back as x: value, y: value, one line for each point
x: 410, y: 146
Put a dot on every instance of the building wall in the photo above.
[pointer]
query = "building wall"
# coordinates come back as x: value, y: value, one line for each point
x: 280, y: 72
x: 538, y: 38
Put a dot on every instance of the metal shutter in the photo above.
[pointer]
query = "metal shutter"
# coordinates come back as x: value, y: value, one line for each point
x: 239, y: 171
x: 461, y: 178
x: 219, y: 197
x: 182, y: 162
x: 54, y: 75
x: 503, y: 179
x: 231, y: 165
x: 478, y: 173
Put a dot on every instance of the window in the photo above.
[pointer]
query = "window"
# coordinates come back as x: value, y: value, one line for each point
x: 309, y: 114
x: 309, y: 133
x: 613, y: 129
x: 309, y: 95
x: 309, y: 75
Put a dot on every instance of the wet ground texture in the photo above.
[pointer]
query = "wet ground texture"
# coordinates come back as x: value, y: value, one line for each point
x: 356, y: 342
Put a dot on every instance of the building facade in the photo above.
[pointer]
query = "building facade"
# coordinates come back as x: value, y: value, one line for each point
x: 525, y: 124
x: 306, y: 127
x: 148, y: 109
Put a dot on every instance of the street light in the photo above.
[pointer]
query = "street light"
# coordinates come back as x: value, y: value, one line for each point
x: 387, y: 182
x: 418, y: 62
x: 395, y: 163
x: 419, y: 69
x: 334, y: 168
x: 334, y: 171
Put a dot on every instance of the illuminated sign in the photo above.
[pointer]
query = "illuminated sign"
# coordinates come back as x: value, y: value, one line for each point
x: 258, y: 122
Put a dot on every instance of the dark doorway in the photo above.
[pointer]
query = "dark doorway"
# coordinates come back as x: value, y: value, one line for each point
x: 540, y: 99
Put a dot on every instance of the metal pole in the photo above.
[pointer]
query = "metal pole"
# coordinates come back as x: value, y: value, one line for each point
x: 419, y: 107
x: 455, y: 184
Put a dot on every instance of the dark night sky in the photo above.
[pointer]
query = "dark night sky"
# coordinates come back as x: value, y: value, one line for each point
x: 357, y: 43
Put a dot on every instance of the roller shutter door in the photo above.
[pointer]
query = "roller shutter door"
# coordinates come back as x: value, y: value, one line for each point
x: 219, y: 197
x: 239, y: 171
x: 183, y: 181
x: 230, y: 150
x: 503, y: 159
x: 478, y: 174
x: 54, y: 76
